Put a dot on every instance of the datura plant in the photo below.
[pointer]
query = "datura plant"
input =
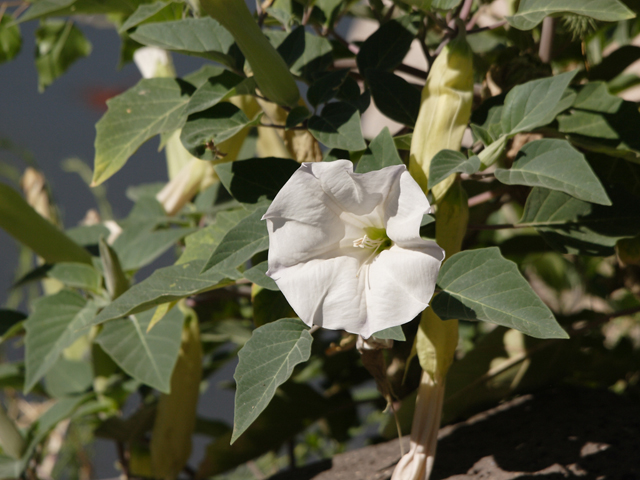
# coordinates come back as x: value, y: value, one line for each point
x: 441, y: 196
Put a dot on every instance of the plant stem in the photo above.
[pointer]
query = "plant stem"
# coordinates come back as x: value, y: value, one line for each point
x: 546, y: 39
x: 488, y: 27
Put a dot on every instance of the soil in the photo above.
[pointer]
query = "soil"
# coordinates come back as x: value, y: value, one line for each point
x: 556, y: 434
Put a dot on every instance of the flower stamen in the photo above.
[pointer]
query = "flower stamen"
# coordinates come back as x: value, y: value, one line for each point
x: 367, y: 242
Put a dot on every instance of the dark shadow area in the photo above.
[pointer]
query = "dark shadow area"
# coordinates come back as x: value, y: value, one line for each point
x: 559, y: 433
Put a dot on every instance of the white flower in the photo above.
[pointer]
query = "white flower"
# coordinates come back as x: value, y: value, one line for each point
x: 345, y: 248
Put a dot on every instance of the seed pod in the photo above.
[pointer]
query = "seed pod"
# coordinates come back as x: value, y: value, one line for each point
x: 176, y: 412
x: 269, y: 69
x: 444, y: 113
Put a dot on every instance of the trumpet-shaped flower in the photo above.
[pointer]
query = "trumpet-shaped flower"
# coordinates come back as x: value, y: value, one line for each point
x: 345, y: 248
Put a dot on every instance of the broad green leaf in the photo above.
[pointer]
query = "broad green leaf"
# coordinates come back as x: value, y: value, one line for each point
x: 385, y: 49
x: 381, y: 153
x: 269, y: 306
x: 152, y: 12
x: 149, y: 357
x: 162, y: 286
x: 249, y: 180
x: 296, y: 116
x: 589, y: 124
x: 574, y: 226
x: 394, y: 96
x: 137, y: 247
x: 555, y: 164
x: 216, y: 124
x: 78, y: 275
x: 219, y: 88
x: 615, y: 63
x: 534, y: 104
x: 304, y: 53
x: 531, y: 12
x: 59, y: 44
x: 56, y: 322
x: 10, y: 467
x: 403, y: 142
x: 393, y: 333
x: 595, y: 96
x: 199, y: 77
x: 242, y: 242
x: 153, y: 106
x: 445, y: 4
x: 59, y: 8
x: 258, y: 275
x: 199, y: 245
x: 266, y: 362
x: 338, y: 126
x: 483, y: 285
x: 68, y: 377
x: 447, y: 162
x: 10, y: 39
x: 326, y: 86
x: 88, y: 234
x: 196, y: 36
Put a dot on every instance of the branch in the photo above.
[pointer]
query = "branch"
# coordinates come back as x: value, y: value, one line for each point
x: 488, y: 27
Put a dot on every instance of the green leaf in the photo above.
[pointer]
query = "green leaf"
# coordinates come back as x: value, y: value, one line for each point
x: 258, y: 275
x: 199, y: 77
x: 56, y: 322
x: 385, y: 49
x: 68, y: 377
x: 338, y: 126
x: 59, y: 44
x: 531, y: 12
x: 242, y: 242
x: 137, y: 247
x: 59, y: 8
x: 394, y: 96
x: 250, y: 180
x: 196, y: 36
x: 162, y: 286
x: 574, y: 226
x: 269, y: 306
x: 555, y: 164
x: 393, y: 333
x: 445, y: 4
x: 266, y: 362
x: 78, y: 275
x: 615, y: 63
x: 483, y: 285
x: 10, y: 39
x: 326, y: 86
x: 303, y: 52
x: 153, y: 106
x: 534, y: 104
x: 149, y: 357
x: 403, y: 142
x: 296, y: 116
x: 595, y: 96
x: 219, y: 88
x: 199, y: 245
x: 446, y: 162
x: 381, y: 153
x: 216, y: 124
x: 152, y: 12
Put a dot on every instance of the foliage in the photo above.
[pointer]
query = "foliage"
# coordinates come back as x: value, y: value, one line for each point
x: 545, y: 287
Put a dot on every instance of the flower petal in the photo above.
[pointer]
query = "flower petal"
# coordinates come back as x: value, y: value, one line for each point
x: 400, y: 284
x: 326, y: 292
x: 404, y: 210
x: 301, y: 221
